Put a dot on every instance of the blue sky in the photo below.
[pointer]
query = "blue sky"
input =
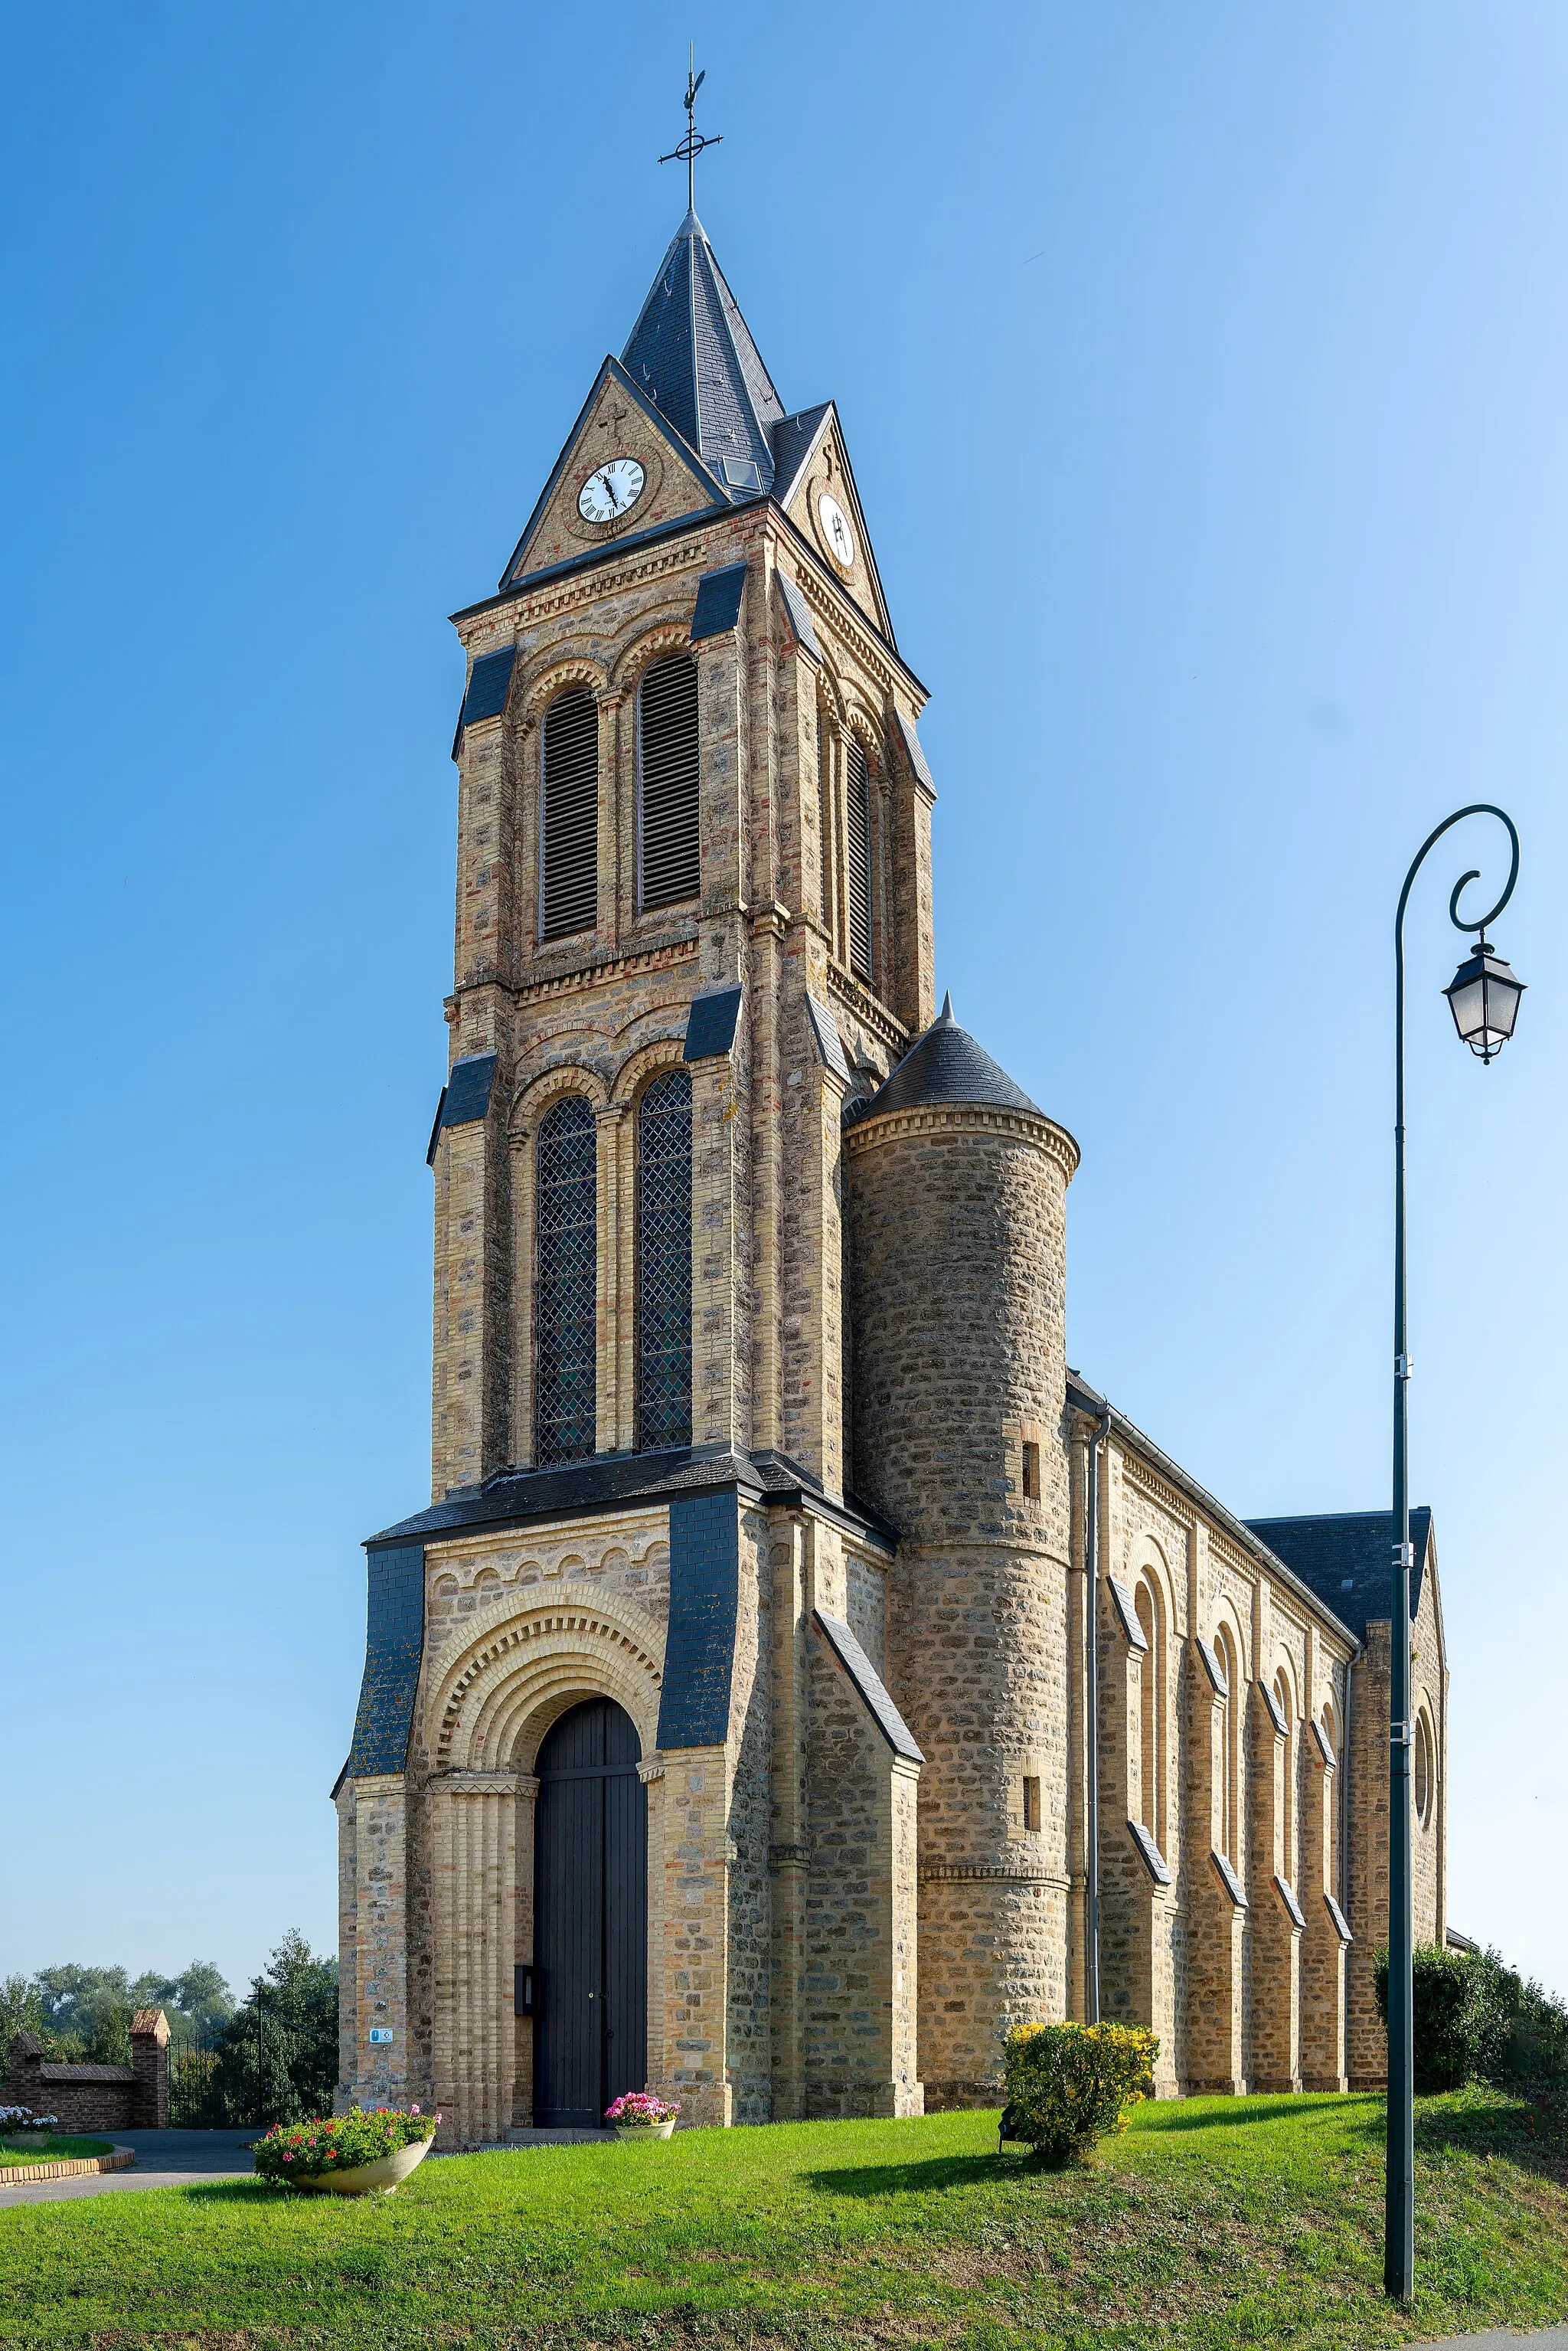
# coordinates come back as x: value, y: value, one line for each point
x: 1203, y: 371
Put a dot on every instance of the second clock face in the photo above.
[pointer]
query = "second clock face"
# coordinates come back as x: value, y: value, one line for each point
x: 836, y: 530
x: 612, y: 491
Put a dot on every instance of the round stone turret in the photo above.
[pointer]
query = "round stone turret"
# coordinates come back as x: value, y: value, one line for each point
x: 956, y: 1200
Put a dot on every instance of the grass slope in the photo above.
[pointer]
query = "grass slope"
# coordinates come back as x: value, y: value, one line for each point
x: 44, y: 2147
x: 1212, y: 2222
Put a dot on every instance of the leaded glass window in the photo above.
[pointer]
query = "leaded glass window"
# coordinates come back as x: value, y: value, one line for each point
x: 566, y: 1279
x: 857, y: 841
x: 664, y: 1263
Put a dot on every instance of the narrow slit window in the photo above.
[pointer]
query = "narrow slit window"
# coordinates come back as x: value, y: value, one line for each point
x: 669, y: 850
x: 1030, y: 1471
x: 857, y: 845
x: 565, y: 1282
x: 664, y: 1263
x: 569, y: 820
x: 1031, y: 1804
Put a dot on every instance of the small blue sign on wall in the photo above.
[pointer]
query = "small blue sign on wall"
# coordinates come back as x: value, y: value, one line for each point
x: 380, y: 2034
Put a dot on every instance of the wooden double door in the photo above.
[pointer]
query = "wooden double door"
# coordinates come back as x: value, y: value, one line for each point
x: 590, y: 1917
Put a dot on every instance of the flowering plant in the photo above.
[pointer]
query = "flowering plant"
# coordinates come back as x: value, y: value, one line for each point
x: 23, y: 2118
x: 338, y: 2142
x: 638, y: 2107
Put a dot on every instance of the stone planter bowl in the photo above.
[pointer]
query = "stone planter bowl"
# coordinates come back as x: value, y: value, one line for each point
x: 645, y: 2130
x: 388, y: 2171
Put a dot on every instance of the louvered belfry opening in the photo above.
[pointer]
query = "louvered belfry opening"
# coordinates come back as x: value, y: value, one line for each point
x: 568, y: 862
x: 664, y: 1263
x: 857, y: 843
x: 668, y: 858
x: 565, y: 1280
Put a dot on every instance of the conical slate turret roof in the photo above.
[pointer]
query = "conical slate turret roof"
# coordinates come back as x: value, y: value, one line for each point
x: 692, y: 354
x: 945, y: 1065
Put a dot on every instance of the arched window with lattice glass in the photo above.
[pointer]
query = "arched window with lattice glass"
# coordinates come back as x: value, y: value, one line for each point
x: 567, y: 1265
x: 664, y: 1262
x: 858, y: 849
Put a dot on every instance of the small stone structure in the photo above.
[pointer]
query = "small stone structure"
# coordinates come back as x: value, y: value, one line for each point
x: 95, y: 2098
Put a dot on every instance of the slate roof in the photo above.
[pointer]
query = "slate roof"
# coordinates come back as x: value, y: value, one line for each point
x: 1346, y: 1557
x: 945, y: 1065
x: 792, y: 437
x: 692, y: 354
x: 516, y: 1496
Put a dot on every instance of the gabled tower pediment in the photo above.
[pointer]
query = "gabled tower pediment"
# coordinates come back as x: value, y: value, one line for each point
x: 616, y: 422
x: 815, y: 485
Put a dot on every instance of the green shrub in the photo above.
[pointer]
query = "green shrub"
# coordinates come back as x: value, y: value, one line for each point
x: 1069, y: 2086
x: 338, y: 2142
x: 1446, y: 2020
x: 1477, y: 2019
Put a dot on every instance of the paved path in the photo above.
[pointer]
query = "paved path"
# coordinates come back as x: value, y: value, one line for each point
x: 170, y: 2158
x: 1549, y: 2338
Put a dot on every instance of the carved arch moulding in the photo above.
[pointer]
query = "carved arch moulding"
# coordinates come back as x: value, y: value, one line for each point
x: 646, y: 1063
x: 519, y: 1669
x: 543, y: 689
x: 649, y: 646
x: 537, y: 1094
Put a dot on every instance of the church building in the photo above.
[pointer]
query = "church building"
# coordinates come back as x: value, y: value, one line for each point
x: 800, y: 1675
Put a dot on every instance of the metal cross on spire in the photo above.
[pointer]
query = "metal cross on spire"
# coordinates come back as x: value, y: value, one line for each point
x: 692, y: 145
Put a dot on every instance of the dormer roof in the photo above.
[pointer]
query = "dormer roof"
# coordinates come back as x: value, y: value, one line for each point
x: 692, y: 355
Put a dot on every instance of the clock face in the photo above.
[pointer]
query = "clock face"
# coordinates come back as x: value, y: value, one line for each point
x: 836, y: 530
x: 612, y: 491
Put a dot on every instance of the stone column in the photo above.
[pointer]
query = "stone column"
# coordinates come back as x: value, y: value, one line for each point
x: 788, y: 1852
x: 384, y: 2070
x: 1276, y: 2035
x: 474, y: 1853
x: 1324, y: 1944
x: 527, y: 1788
x: 609, y: 701
x: 149, y: 2064
x: 1219, y: 1905
x: 696, y: 1852
x: 650, y: 1771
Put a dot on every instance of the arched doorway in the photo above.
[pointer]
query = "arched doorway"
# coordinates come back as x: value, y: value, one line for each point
x: 590, y: 1916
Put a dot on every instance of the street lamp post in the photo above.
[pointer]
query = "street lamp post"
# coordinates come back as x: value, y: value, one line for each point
x: 1484, y: 999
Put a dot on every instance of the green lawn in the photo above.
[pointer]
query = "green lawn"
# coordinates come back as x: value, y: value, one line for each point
x: 1211, y: 2222
x: 42, y: 2146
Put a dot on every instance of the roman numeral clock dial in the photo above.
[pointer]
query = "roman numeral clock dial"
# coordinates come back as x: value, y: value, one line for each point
x: 612, y: 490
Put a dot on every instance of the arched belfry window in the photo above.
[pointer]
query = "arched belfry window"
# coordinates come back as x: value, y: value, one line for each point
x: 569, y: 815
x: 668, y: 852
x: 857, y: 855
x: 664, y: 1262
x: 565, y: 1281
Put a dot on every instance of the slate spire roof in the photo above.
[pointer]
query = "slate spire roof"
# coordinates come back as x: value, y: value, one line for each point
x: 692, y: 354
x: 945, y: 1065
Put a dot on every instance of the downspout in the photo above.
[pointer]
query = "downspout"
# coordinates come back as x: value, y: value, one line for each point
x: 1092, y: 1610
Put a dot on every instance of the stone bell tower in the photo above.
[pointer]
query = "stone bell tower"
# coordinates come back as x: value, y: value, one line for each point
x: 693, y: 918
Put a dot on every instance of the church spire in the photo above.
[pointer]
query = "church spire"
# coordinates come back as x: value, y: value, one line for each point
x: 691, y: 353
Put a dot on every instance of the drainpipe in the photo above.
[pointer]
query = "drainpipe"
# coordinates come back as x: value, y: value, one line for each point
x: 1091, y: 1581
